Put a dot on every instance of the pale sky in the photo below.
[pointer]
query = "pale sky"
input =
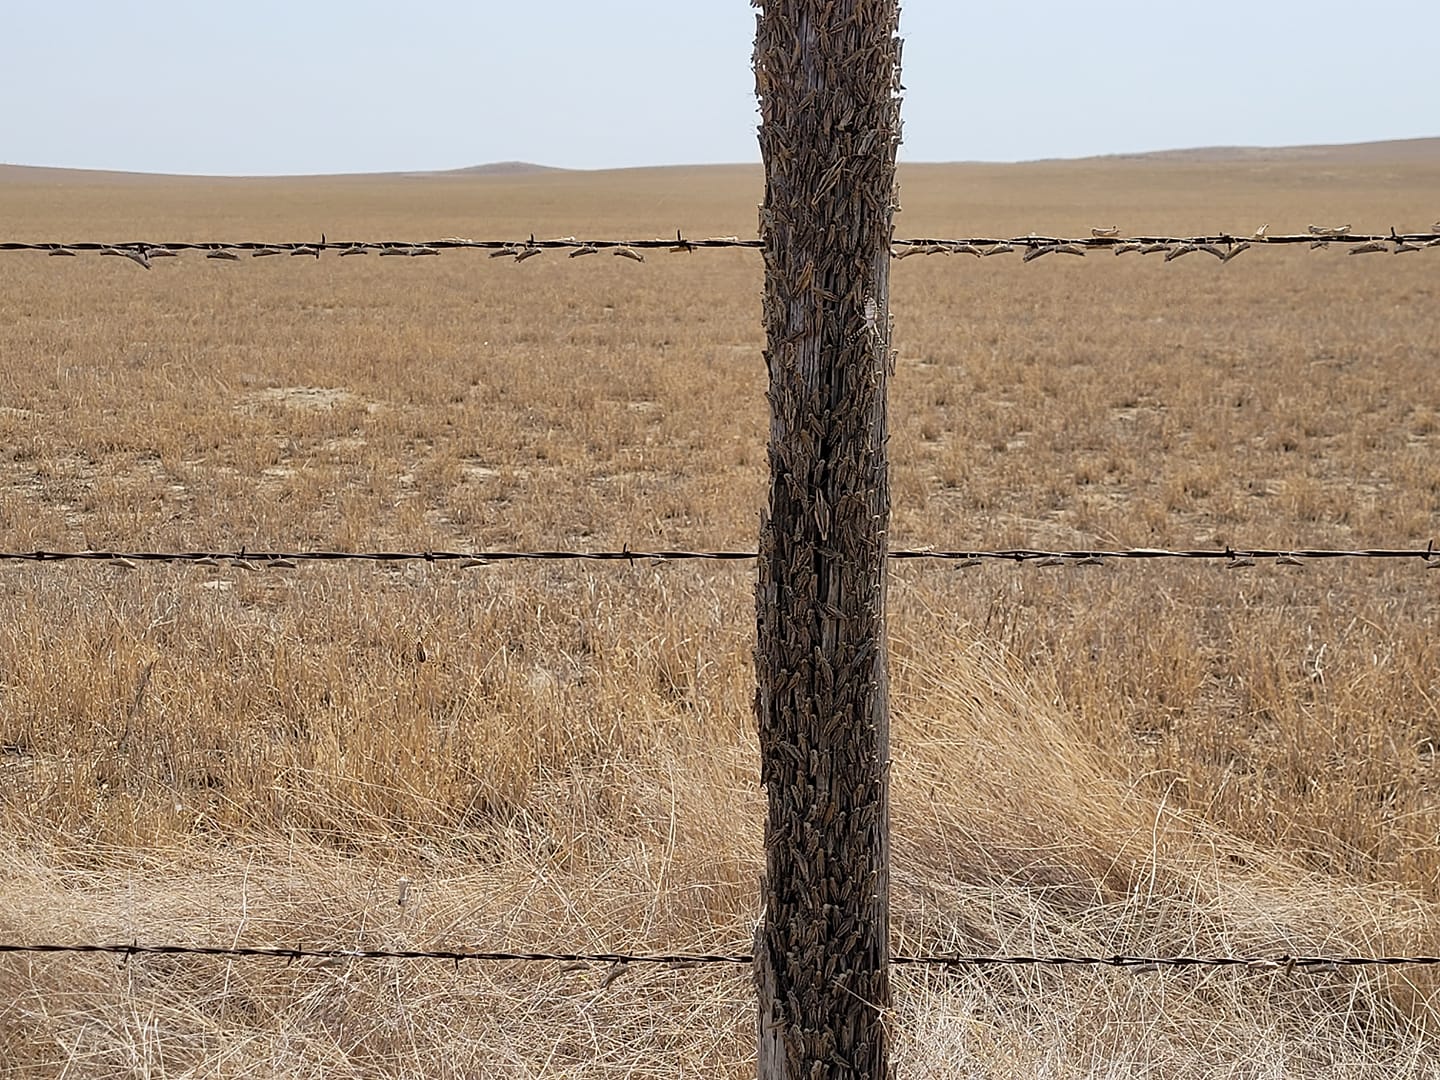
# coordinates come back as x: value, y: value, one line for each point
x: 289, y: 86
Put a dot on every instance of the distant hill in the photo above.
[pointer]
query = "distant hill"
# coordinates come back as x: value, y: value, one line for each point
x: 1390, y: 152
x: 46, y: 174
x: 499, y: 168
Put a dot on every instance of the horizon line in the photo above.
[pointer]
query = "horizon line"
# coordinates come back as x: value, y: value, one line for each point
x: 518, y: 167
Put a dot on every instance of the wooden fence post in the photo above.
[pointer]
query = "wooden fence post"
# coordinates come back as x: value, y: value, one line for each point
x: 827, y: 76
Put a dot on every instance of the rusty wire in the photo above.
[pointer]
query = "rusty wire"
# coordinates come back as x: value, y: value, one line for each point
x: 1230, y: 556
x: 1283, y: 963
x: 1223, y: 246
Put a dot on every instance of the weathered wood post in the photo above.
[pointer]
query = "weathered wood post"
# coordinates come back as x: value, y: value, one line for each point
x: 827, y: 76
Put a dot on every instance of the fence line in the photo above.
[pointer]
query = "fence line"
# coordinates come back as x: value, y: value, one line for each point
x: 1223, y: 246
x: 1230, y: 557
x: 1283, y: 963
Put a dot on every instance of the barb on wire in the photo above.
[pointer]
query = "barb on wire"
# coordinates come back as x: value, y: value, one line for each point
x: 1223, y: 246
x: 1230, y: 557
x: 1283, y: 963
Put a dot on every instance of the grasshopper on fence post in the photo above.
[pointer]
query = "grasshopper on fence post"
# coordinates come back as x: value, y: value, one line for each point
x: 827, y: 76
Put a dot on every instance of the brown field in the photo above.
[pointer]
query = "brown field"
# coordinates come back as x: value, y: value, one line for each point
x: 1126, y: 758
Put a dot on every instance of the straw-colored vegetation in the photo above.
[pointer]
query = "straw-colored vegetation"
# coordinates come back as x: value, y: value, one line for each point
x: 1124, y: 758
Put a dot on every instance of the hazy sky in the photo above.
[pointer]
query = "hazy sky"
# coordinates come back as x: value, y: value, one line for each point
x: 299, y: 86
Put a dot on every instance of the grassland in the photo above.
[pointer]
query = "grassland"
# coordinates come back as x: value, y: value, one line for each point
x: 1126, y: 758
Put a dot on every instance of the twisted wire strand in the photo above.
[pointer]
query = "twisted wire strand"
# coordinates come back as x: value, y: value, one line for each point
x: 1222, y: 245
x: 1288, y: 964
x: 1229, y: 556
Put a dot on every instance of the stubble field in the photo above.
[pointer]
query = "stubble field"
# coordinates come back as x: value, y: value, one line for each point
x: 1137, y: 758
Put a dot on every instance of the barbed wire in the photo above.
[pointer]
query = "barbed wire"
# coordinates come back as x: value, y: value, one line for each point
x: 1223, y: 246
x: 1230, y: 556
x: 1284, y: 962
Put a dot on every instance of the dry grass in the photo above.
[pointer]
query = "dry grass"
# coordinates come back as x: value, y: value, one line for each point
x: 1136, y: 758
